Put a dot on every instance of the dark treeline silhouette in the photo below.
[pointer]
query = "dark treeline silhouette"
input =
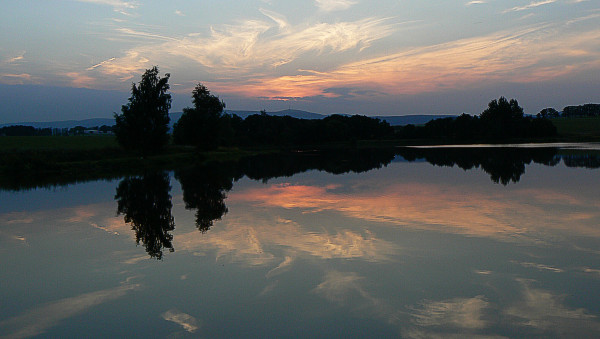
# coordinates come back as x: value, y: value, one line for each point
x: 268, y: 166
x: 206, y: 127
x: 24, y: 131
x: 587, y: 110
x: 503, y: 119
x: 584, y: 160
x: 503, y: 164
x: 263, y: 129
x: 145, y: 203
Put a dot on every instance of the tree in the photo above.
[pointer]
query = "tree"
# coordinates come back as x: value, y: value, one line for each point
x: 202, y: 125
x: 503, y: 119
x: 548, y: 113
x: 146, y: 204
x: 144, y: 124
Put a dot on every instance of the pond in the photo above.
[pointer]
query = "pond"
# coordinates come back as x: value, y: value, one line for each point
x: 408, y: 242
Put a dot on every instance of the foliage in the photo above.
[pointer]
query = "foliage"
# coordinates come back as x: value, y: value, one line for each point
x: 548, y: 113
x: 501, y: 120
x: 143, y: 126
x: 146, y: 204
x: 263, y: 129
x: 204, y: 125
x: 587, y: 110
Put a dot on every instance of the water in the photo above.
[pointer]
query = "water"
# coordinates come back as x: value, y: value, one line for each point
x: 472, y: 242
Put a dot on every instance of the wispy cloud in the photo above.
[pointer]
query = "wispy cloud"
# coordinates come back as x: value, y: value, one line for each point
x: 529, y: 55
x: 17, y: 78
x: 251, y: 47
x: 475, y: 2
x: 189, y: 323
x: 38, y: 320
x: 17, y: 58
x: 179, y: 13
x: 100, y: 64
x: 334, y: 5
x: 542, y: 309
x: 465, y: 313
x: 529, y: 6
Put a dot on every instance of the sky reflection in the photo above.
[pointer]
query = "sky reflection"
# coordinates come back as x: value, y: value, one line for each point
x: 408, y: 249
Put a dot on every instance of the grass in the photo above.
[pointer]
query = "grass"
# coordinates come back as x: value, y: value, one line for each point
x: 28, y: 162
x: 578, y: 127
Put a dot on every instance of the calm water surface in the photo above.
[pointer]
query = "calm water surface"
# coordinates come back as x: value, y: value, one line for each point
x: 466, y: 242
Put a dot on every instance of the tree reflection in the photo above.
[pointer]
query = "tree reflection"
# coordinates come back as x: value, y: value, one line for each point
x: 146, y: 204
x: 503, y: 164
x: 204, y: 189
x: 205, y: 186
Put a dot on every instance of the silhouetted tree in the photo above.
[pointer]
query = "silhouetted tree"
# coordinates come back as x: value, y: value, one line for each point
x: 203, y: 125
x: 548, y: 113
x: 204, y: 189
x: 146, y: 204
x: 143, y: 126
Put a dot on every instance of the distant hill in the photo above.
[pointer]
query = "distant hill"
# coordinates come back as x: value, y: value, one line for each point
x: 395, y: 120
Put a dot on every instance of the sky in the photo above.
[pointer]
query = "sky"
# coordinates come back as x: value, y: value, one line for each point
x: 77, y: 59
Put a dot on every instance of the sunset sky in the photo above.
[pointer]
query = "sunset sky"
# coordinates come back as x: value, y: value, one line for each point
x: 385, y: 57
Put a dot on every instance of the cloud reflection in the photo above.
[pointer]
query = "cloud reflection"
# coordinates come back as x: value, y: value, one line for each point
x: 526, y: 215
x: 189, y: 323
x: 38, y: 320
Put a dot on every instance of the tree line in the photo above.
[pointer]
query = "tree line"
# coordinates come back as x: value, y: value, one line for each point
x: 143, y: 124
x: 28, y: 131
x: 502, y: 119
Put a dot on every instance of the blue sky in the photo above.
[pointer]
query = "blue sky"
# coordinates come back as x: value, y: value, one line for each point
x: 346, y: 56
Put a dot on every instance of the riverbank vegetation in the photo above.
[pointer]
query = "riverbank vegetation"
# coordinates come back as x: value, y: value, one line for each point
x: 142, y: 138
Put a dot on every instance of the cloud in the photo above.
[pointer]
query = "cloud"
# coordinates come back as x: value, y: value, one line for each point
x: 475, y: 2
x: 337, y: 286
x: 38, y: 320
x: 284, y: 266
x: 248, y: 48
x: 99, y: 64
x: 189, y: 323
x: 80, y: 80
x: 530, y: 55
x: 463, y: 313
x: 16, y: 59
x: 543, y: 310
x: 17, y: 78
x: 540, y: 267
x: 440, y: 208
x: 334, y: 5
x: 530, y: 6
x: 179, y: 13
x: 255, y: 242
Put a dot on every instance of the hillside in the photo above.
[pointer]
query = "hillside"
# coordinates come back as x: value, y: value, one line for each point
x: 396, y: 120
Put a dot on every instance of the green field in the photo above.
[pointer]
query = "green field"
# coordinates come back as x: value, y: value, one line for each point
x: 578, y: 127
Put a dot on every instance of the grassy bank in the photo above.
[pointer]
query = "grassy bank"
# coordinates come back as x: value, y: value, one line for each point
x: 55, y: 160
x: 578, y: 128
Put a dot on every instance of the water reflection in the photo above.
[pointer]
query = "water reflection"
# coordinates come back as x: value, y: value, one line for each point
x: 503, y: 164
x: 204, y: 189
x: 146, y: 204
x: 412, y: 250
